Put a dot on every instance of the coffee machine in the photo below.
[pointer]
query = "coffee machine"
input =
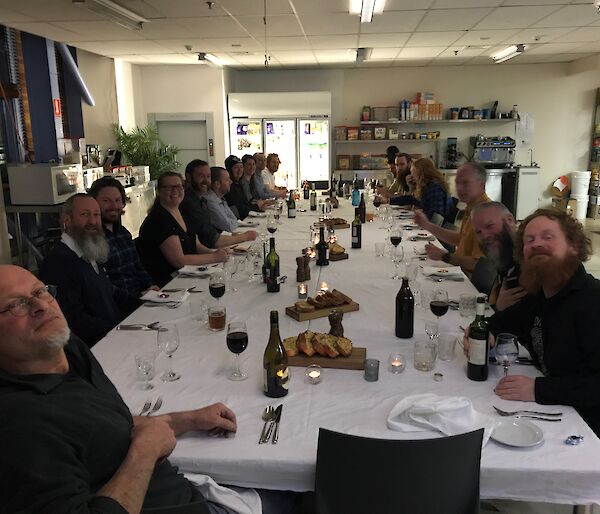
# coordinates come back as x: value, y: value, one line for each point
x: 493, y: 152
x: 451, y: 153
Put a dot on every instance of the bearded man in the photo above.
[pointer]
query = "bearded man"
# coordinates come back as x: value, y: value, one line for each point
x: 557, y: 321
x: 91, y: 303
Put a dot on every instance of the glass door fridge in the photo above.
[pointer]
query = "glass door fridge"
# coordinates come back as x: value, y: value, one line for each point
x: 280, y: 138
x: 313, y: 149
x: 245, y: 136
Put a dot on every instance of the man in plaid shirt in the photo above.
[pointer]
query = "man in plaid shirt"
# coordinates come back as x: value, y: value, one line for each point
x: 123, y: 267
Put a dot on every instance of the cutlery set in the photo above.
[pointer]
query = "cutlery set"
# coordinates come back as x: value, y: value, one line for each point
x: 139, y: 326
x: 148, y: 408
x: 271, y: 416
x: 531, y: 414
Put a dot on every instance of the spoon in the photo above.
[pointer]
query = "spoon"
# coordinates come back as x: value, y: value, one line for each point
x: 267, y: 415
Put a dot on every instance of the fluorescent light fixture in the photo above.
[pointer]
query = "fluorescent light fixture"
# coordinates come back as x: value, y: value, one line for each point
x: 366, y: 9
x: 119, y: 14
x: 508, y: 53
x: 363, y: 54
x: 210, y: 58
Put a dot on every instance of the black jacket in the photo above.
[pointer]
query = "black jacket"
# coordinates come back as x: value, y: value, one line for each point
x: 236, y: 198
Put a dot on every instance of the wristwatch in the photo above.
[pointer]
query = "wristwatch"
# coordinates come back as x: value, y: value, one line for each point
x: 446, y: 257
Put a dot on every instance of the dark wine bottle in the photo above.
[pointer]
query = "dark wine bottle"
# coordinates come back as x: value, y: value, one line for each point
x: 306, y: 190
x: 264, y: 266
x: 273, y: 285
x: 276, y: 373
x: 356, y: 230
x: 333, y: 188
x: 340, y: 187
x: 313, y: 198
x: 405, y: 311
x: 362, y: 208
x: 291, y: 205
x: 477, y: 365
x: 322, y: 249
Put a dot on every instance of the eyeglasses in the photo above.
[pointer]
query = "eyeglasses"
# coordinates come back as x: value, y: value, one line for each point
x: 172, y: 188
x: 22, y: 306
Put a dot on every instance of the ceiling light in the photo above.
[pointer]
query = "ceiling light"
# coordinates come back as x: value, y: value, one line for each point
x: 366, y: 9
x: 209, y: 58
x: 363, y: 54
x: 119, y: 14
x: 508, y: 53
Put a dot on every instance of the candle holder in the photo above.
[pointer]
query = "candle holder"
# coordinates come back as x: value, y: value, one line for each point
x: 323, y: 287
x: 302, y: 291
x: 313, y: 374
x: 396, y: 363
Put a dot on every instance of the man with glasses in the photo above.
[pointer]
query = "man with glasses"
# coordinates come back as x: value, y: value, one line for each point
x: 91, y: 303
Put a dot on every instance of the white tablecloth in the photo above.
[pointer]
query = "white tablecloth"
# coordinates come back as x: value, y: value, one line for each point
x: 343, y: 401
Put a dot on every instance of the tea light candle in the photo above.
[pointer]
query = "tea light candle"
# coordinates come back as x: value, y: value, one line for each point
x: 313, y: 374
x: 312, y: 253
x: 397, y: 363
x: 302, y: 293
x: 323, y: 287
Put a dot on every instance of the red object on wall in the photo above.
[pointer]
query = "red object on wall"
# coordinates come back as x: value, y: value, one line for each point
x: 57, y: 107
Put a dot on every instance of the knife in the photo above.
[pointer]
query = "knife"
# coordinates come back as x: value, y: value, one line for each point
x: 277, y: 420
x: 267, y: 436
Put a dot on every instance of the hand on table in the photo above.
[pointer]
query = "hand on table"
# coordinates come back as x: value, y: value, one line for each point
x: 221, y: 255
x: 508, y: 297
x: 216, y: 418
x: 250, y: 235
x: 516, y: 387
x: 153, y: 436
x: 435, y: 253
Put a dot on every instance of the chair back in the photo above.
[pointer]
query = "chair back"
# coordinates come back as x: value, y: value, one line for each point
x: 484, y: 275
x: 358, y: 475
x: 437, y: 219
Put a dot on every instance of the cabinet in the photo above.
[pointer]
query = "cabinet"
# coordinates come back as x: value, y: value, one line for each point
x: 140, y: 200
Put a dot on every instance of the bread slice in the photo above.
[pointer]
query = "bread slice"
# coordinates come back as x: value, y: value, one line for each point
x: 318, y: 302
x: 346, y: 298
x: 324, y: 346
x: 304, y: 343
x: 343, y: 345
x: 302, y: 306
x: 291, y: 348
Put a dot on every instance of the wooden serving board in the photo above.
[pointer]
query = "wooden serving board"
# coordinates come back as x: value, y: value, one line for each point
x: 356, y: 360
x: 343, y: 225
x: 319, y: 313
x: 338, y: 256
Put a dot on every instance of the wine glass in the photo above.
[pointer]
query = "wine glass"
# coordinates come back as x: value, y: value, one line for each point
x: 230, y: 268
x: 377, y: 204
x: 396, y: 236
x: 216, y: 284
x: 439, y: 302
x: 145, y: 366
x: 432, y: 329
x: 237, y: 341
x: 168, y: 342
x: 507, y: 350
x: 271, y: 224
x: 397, y: 255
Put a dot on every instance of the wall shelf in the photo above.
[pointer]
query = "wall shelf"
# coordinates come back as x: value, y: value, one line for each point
x: 432, y: 122
x: 388, y: 141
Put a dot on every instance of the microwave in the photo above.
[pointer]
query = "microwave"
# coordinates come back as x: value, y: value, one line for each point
x: 43, y: 184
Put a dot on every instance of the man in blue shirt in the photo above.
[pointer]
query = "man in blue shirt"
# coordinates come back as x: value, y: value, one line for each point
x: 221, y: 215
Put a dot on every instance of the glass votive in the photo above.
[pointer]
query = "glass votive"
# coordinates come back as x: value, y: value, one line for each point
x: 396, y: 363
x: 371, y: 370
x: 302, y: 291
x: 313, y: 374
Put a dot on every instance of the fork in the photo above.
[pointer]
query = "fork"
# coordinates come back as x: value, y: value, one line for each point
x: 514, y: 413
x: 157, y: 406
x: 146, y: 407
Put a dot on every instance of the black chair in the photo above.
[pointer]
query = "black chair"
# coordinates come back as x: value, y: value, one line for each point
x: 452, y: 210
x: 484, y: 275
x: 360, y: 475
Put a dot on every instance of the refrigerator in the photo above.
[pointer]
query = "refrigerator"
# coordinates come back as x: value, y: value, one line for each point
x: 245, y: 136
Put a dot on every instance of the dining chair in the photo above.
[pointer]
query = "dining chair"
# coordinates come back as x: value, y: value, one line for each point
x: 358, y: 475
x: 484, y: 275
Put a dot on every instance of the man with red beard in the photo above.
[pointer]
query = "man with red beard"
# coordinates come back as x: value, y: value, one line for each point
x: 557, y: 321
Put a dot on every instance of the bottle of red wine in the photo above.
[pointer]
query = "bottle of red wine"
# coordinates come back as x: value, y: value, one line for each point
x: 405, y: 311
x: 362, y: 207
x: 477, y: 365
x: 306, y: 190
x: 340, y: 187
x: 276, y: 373
x: 273, y: 285
x: 356, y: 230
x: 264, y: 266
x: 322, y: 249
x: 313, y: 198
x: 333, y: 188
x: 291, y: 205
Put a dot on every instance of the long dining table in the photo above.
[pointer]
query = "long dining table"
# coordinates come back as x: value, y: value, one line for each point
x: 343, y: 401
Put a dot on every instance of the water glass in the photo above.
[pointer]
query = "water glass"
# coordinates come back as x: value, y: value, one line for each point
x: 145, y: 367
x: 425, y: 354
x: 379, y: 249
x: 446, y: 347
x: 432, y: 329
x: 466, y: 305
x: 216, y: 318
x: 371, y: 370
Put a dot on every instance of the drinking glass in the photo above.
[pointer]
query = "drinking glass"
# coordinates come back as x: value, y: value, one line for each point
x: 396, y: 236
x: 216, y: 284
x: 446, y: 347
x: 439, y: 302
x: 217, y: 316
x: 397, y: 255
x: 145, y: 366
x: 466, y: 305
x: 271, y: 224
x: 379, y: 249
x: 237, y: 342
x: 230, y: 269
x: 432, y: 329
x: 425, y: 355
x: 507, y: 350
x: 168, y: 341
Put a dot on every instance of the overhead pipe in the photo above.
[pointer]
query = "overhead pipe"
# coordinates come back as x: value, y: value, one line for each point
x: 72, y: 67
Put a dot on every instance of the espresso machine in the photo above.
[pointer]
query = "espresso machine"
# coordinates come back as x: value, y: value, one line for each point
x: 493, y: 152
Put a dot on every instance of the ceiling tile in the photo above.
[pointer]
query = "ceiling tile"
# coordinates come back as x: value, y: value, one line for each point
x: 384, y: 53
x: 333, y: 42
x: 248, y: 7
x: 394, y: 21
x: 383, y: 40
x: 592, y: 47
x: 315, y: 24
x: 581, y: 35
x: 329, y: 56
x: 510, y: 3
x: 218, y: 26
x: 457, y: 19
x: 551, y: 48
x: 99, y: 31
x: 566, y: 57
x: 118, y: 48
x: 281, y: 25
x: 570, y: 16
x: 450, y: 61
x: 545, y: 35
x: 294, y: 57
x: 411, y: 62
x: 406, y: 5
x: 212, y: 44
x: 318, y: 6
x: 462, y: 53
x: 167, y: 28
x: 57, y: 10
x: 421, y: 52
x: 515, y: 17
x: 285, y: 43
x: 186, y: 8
x: 47, y: 30
x: 485, y: 37
x: 457, y: 4
x: 434, y: 38
x: 6, y: 16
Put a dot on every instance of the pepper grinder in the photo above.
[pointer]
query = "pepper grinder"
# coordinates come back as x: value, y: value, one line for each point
x: 300, y: 271
x: 306, y: 268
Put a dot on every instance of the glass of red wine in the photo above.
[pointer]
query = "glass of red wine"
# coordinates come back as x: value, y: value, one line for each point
x: 237, y: 342
x: 271, y: 225
x: 216, y: 284
x: 439, y: 302
x: 396, y: 236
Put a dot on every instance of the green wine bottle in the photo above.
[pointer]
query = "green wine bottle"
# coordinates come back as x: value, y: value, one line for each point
x: 291, y: 205
x: 356, y: 230
x: 272, y: 271
x: 276, y: 373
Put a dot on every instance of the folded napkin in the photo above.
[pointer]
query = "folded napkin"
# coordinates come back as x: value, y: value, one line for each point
x: 255, y: 214
x: 450, y: 415
x: 195, y: 271
x: 446, y: 271
x: 155, y: 297
x: 245, y: 223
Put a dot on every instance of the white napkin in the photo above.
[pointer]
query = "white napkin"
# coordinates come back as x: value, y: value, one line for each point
x: 245, y: 223
x: 155, y: 297
x: 255, y: 214
x: 450, y: 271
x: 241, y: 501
x: 450, y: 415
x: 190, y: 270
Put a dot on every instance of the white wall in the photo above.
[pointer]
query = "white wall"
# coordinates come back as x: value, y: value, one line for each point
x: 99, y: 74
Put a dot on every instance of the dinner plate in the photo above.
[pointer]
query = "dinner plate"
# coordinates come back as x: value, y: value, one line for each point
x: 254, y: 214
x: 245, y: 223
x: 517, y: 432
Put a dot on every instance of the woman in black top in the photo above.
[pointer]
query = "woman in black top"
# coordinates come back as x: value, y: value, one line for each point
x: 237, y: 197
x: 167, y: 241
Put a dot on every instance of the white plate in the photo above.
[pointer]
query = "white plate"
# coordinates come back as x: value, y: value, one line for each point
x: 517, y: 432
x: 244, y: 223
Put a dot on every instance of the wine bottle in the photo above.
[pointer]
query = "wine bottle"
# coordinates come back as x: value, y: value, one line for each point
x: 322, y: 249
x: 356, y: 230
x: 340, y: 187
x: 355, y: 192
x: 264, y: 266
x: 405, y: 311
x: 477, y: 365
x: 306, y: 190
x: 291, y: 205
x: 276, y: 373
x: 333, y: 188
x: 362, y: 208
x: 273, y: 285
x: 313, y: 198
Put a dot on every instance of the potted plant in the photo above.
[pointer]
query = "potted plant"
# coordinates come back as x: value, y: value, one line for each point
x: 143, y: 147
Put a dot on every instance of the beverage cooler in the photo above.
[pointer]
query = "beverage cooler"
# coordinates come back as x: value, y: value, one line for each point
x: 295, y: 126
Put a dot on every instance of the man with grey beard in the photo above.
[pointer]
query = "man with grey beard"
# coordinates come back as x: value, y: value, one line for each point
x: 91, y: 304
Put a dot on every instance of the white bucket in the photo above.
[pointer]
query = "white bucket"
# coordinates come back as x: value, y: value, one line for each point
x: 580, y: 183
x: 581, y: 206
